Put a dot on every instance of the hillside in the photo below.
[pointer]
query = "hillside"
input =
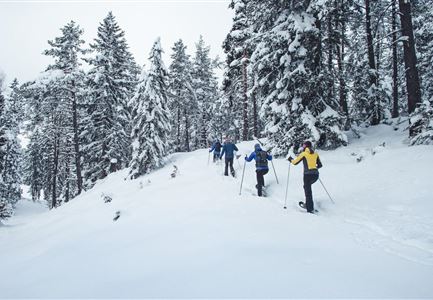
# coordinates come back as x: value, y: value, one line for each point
x: 194, y: 236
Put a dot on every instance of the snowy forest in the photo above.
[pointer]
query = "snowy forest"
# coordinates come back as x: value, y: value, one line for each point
x: 294, y: 70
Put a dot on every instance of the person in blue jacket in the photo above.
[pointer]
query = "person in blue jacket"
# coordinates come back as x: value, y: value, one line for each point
x: 261, y: 157
x: 216, y: 148
x: 228, y: 150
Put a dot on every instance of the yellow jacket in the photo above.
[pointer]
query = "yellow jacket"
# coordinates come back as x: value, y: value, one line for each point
x: 311, y: 161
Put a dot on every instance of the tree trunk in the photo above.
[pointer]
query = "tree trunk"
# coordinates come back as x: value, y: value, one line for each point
x: 410, y: 62
x: 395, y: 112
x: 178, y: 147
x: 255, y: 116
x: 76, y: 140
x: 330, y: 57
x: 340, y: 61
x: 245, y: 104
x: 375, y: 119
x: 55, y: 171
x: 187, y: 149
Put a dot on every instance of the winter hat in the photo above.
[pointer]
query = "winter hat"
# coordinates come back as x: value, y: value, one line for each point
x: 307, y: 144
x: 257, y: 147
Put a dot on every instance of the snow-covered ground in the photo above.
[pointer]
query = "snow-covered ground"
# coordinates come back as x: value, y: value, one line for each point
x: 194, y: 236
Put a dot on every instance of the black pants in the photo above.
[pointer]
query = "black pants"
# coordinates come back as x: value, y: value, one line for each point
x: 309, y: 179
x: 216, y: 156
x: 261, y: 180
x: 229, y: 161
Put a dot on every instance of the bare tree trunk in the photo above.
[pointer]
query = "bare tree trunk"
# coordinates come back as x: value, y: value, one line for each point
x: 330, y: 57
x: 245, y: 104
x: 178, y: 130
x: 76, y: 141
x: 395, y: 112
x: 55, y: 171
x: 372, y: 64
x: 255, y: 114
x: 410, y: 62
x: 186, y: 132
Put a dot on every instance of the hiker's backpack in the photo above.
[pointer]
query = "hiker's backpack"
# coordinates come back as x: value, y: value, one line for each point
x: 218, y: 147
x: 261, y: 159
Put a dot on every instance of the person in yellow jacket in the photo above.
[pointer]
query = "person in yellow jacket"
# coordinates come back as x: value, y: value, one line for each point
x: 312, y: 163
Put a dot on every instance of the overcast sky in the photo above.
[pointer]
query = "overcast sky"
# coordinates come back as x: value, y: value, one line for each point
x: 26, y: 26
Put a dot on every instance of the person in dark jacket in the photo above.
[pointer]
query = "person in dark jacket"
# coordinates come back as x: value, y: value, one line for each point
x: 311, y: 163
x: 261, y: 157
x: 228, y: 151
x: 216, y: 148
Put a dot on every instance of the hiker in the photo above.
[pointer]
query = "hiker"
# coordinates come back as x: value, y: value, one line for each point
x: 216, y: 148
x: 312, y: 163
x: 228, y: 150
x: 262, y: 168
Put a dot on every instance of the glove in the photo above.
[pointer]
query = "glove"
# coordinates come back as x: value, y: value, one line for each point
x: 290, y: 159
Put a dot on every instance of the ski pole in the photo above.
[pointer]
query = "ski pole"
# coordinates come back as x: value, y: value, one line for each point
x: 239, y: 164
x: 287, y: 187
x: 208, y: 158
x: 242, y: 181
x: 272, y: 163
x: 326, y: 191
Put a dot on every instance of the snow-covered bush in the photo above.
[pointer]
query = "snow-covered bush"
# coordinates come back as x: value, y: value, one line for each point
x: 421, y: 128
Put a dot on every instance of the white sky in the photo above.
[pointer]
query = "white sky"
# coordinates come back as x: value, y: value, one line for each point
x: 26, y: 26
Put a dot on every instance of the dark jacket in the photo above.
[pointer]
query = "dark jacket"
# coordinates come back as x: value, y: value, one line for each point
x: 217, y: 147
x: 253, y: 155
x: 228, y: 150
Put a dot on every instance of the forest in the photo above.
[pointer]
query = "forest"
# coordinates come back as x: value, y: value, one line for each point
x: 294, y: 70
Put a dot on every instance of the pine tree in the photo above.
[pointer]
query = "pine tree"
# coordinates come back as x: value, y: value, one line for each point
x: 111, y: 80
x: 238, y: 51
x: 422, y: 125
x: 182, y: 100
x: 10, y: 170
x: 423, y: 26
x: 151, y: 117
x: 5, y: 207
x: 288, y: 61
x: 66, y: 50
x: 205, y: 86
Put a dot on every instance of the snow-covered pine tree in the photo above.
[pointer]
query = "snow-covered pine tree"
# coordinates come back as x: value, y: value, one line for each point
x: 423, y: 26
x: 66, y: 50
x: 110, y: 82
x: 206, y: 89
x: 288, y: 62
x: 421, y: 121
x: 5, y: 207
x: 236, y: 76
x: 369, y: 70
x: 53, y: 156
x: 10, y: 171
x: 182, y: 99
x: 422, y: 125
x: 151, y: 117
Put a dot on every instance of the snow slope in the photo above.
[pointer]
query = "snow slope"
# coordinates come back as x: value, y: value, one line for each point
x: 194, y: 236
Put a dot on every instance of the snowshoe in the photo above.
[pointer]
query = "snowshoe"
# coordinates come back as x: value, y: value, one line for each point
x: 302, y: 205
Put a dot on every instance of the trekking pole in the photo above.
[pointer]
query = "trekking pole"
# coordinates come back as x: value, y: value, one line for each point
x: 287, y: 187
x: 242, y: 181
x: 326, y: 191
x: 272, y: 163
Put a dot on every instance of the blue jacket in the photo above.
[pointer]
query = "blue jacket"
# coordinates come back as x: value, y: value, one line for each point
x: 228, y: 150
x: 214, y: 148
x: 254, y: 156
